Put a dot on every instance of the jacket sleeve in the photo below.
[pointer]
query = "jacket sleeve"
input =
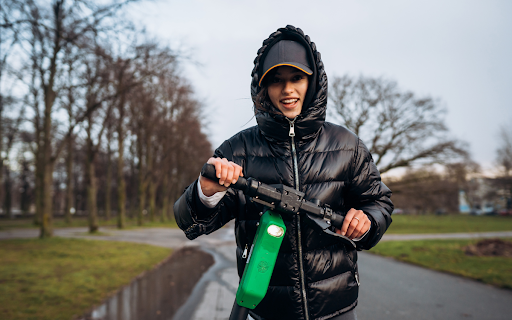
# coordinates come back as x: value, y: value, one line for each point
x: 194, y: 218
x: 368, y: 193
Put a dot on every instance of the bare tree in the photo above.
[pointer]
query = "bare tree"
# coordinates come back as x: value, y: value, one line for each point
x: 9, y: 124
x: 424, y: 190
x: 49, y: 31
x: 109, y: 139
x: 504, y: 162
x: 399, y: 128
x: 504, y: 152
x: 98, y: 92
x: 155, y: 65
x: 73, y: 66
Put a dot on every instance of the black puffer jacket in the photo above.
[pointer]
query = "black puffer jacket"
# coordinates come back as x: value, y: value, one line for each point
x: 315, y: 276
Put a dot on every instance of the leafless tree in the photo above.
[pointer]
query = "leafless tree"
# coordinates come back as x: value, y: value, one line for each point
x: 398, y: 127
x: 9, y: 120
x: 504, y: 152
x: 504, y: 162
x: 48, y: 31
x: 80, y: 82
x: 424, y: 190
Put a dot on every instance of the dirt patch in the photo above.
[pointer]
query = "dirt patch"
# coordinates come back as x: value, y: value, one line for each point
x: 490, y: 247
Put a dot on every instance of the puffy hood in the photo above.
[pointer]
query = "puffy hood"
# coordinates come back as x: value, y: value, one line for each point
x: 312, y: 117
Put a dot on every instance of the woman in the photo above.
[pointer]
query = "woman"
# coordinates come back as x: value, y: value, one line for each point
x: 315, y: 276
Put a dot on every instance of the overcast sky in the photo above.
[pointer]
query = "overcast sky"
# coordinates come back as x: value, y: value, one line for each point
x: 458, y: 51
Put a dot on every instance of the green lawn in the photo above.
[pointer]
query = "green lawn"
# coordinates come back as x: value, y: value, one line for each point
x: 402, y: 224
x: 448, y: 256
x: 408, y: 224
x: 58, y: 278
x: 6, y: 224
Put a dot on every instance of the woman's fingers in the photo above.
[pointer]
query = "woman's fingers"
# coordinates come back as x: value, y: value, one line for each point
x: 236, y: 174
x: 217, y: 164
x: 224, y: 172
x: 227, y: 172
x: 355, y: 224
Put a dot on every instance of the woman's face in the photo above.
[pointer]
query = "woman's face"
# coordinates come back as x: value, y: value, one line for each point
x: 287, y: 90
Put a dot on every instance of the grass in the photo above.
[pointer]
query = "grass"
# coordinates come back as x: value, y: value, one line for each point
x: 24, y: 223
x: 402, y: 224
x: 448, y: 256
x: 413, y: 224
x: 58, y: 278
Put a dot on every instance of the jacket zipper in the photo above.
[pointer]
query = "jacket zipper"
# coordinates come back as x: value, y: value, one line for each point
x: 244, y: 255
x: 299, y: 235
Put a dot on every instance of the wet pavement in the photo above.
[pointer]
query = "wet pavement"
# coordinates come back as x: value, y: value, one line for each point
x: 214, y: 294
x: 158, y: 293
x: 389, y: 289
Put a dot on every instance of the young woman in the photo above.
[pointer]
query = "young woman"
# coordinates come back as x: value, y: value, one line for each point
x: 315, y: 276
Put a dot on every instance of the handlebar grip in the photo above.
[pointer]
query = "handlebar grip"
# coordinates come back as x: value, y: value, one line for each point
x: 337, y: 220
x: 208, y: 171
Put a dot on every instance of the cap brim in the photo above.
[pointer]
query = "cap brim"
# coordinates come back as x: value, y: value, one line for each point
x: 296, y: 65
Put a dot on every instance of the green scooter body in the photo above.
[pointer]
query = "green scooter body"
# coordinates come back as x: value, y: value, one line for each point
x: 261, y: 260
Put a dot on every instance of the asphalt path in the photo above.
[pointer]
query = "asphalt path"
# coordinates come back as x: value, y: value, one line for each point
x: 389, y: 289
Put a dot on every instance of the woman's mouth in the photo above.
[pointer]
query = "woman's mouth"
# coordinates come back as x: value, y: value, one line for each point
x: 289, y: 102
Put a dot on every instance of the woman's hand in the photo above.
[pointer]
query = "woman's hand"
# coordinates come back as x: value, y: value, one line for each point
x: 227, y: 172
x: 355, y: 224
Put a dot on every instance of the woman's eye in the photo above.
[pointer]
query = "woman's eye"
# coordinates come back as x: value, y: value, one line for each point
x: 297, y: 77
x: 275, y: 80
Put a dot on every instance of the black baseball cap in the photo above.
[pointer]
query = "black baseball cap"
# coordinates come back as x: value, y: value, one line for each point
x: 286, y: 53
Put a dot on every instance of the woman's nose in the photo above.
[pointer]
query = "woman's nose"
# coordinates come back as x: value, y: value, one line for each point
x: 288, y: 87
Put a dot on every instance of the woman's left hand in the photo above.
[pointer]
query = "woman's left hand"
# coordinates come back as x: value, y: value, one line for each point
x: 355, y: 224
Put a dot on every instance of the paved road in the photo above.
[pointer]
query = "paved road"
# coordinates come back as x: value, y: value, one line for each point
x: 389, y: 289
x: 162, y: 237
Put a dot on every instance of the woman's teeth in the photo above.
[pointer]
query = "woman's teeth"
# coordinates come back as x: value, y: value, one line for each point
x: 288, y: 101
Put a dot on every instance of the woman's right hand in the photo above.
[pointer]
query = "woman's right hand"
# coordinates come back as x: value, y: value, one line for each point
x: 227, y: 172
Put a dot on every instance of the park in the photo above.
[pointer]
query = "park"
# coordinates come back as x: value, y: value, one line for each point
x: 109, y: 110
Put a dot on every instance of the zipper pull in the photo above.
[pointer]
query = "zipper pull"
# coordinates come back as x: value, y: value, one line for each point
x: 244, y: 255
x: 292, y: 128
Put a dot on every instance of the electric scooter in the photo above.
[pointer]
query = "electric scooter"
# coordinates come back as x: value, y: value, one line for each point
x: 270, y: 233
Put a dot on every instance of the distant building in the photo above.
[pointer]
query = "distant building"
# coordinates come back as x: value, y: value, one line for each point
x: 483, y: 196
x: 463, y: 203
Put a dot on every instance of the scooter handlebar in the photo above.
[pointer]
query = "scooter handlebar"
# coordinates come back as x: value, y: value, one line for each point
x: 337, y: 221
x: 208, y: 171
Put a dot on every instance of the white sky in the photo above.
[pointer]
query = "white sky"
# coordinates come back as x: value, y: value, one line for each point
x: 458, y: 51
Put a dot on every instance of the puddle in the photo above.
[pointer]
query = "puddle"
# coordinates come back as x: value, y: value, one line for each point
x: 159, y: 293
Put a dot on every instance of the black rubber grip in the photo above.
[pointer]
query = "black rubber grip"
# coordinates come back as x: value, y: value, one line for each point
x: 337, y: 220
x: 208, y: 171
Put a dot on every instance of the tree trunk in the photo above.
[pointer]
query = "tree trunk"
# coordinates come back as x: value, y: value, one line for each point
x: 91, y: 195
x: 142, y: 196
x: 165, y: 198
x: 121, y: 186
x: 38, y: 190
x: 7, y: 193
x: 92, y: 208
x: 47, y: 163
x: 25, y: 187
x: 109, y: 182
x: 152, y: 200
x: 141, y: 192
x: 1, y: 133
x: 46, y: 190
x: 69, y: 181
